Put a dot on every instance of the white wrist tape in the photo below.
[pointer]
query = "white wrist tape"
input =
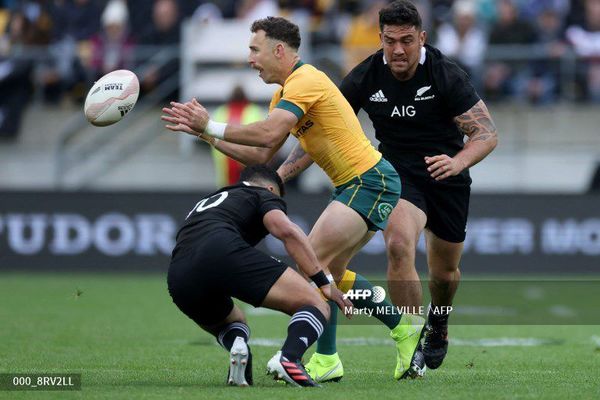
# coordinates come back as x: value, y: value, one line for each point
x: 329, y: 277
x: 215, y: 129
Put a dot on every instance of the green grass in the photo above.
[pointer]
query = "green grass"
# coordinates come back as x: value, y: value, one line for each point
x: 128, y: 340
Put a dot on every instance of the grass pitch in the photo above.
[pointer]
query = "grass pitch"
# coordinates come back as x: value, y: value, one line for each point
x: 128, y: 340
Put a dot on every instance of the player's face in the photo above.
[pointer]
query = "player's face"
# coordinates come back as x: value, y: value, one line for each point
x: 402, y: 49
x: 262, y: 57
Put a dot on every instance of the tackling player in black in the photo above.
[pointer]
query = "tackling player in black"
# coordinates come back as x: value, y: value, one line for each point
x: 422, y: 105
x: 214, y: 260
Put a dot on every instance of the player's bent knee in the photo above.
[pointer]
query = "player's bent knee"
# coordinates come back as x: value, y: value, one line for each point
x: 313, y: 298
x: 400, y: 249
x: 322, y: 306
x: 445, y: 274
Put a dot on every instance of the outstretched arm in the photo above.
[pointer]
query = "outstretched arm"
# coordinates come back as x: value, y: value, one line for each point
x: 192, y: 116
x: 297, y: 245
x: 247, y: 155
x: 296, y: 162
x: 478, y: 125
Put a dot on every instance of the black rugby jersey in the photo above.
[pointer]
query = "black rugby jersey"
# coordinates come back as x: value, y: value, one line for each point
x: 412, y: 118
x: 240, y: 208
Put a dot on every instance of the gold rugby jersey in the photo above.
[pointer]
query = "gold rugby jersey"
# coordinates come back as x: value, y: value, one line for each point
x: 327, y: 128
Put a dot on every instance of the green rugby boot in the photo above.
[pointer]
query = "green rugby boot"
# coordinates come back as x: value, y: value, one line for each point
x: 410, y: 362
x: 325, y: 368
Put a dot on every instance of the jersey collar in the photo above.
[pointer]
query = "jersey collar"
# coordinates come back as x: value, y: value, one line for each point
x: 421, y: 60
x: 298, y: 65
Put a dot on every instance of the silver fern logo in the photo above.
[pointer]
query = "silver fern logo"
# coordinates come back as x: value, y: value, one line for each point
x: 423, y: 90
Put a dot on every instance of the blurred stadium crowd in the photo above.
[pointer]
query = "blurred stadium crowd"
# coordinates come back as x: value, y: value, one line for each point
x: 535, y: 51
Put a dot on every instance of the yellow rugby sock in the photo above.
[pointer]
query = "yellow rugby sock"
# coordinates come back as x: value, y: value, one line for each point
x: 347, y: 281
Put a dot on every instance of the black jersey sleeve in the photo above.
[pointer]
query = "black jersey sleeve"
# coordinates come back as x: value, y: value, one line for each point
x: 267, y: 201
x: 457, y: 90
x: 350, y: 89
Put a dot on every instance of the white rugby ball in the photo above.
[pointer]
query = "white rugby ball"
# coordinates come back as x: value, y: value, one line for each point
x: 111, y: 97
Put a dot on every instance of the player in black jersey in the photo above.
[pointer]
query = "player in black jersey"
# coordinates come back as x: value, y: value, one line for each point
x: 422, y: 105
x: 214, y: 260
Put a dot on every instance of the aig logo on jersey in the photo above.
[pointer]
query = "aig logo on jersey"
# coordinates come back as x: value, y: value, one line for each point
x: 377, y: 295
x: 403, y: 111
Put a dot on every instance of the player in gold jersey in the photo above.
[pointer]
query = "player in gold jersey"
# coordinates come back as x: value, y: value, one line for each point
x: 310, y: 106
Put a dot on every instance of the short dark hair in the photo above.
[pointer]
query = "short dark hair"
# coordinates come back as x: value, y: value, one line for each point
x: 278, y: 28
x: 262, y: 172
x: 399, y: 13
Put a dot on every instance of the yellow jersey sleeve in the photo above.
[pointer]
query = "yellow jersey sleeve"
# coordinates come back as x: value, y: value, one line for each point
x: 300, y: 93
x: 327, y: 128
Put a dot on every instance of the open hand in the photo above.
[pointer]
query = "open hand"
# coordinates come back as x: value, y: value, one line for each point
x: 331, y: 292
x: 442, y: 166
x: 190, y: 117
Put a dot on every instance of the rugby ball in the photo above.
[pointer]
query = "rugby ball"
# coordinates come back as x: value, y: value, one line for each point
x: 111, y: 97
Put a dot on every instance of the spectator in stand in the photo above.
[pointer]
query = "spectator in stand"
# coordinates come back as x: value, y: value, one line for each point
x: 544, y: 85
x: 112, y: 48
x: 74, y: 22
x: 585, y: 40
x: 15, y: 75
x: 533, y: 9
x: 463, y: 41
x: 508, y: 78
x: 78, y: 19
x: 576, y: 14
x: 362, y: 38
x: 238, y: 110
x: 251, y: 10
x: 165, y: 31
x: 140, y: 13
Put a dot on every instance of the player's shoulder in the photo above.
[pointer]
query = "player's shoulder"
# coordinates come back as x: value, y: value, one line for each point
x: 304, y: 77
x: 258, y: 191
x: 439, y: 63
x: 270, y: 200
x: 303, y: 71
x: 369, y: 65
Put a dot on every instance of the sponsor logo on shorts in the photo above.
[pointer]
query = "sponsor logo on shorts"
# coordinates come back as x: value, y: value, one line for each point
x: 384, y: 210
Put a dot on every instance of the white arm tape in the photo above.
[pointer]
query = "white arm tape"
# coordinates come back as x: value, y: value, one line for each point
x: 215, y: 129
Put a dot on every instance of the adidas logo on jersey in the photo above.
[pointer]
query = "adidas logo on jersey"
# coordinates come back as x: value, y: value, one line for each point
x: 378, y: 97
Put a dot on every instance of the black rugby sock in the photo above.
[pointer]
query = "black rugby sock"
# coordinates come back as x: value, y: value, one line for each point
x: 438, y: 315
x: 229, y: 332
x: 304, y: 329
